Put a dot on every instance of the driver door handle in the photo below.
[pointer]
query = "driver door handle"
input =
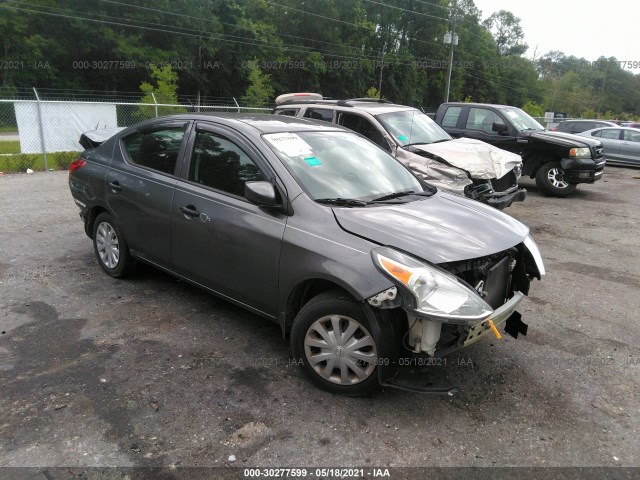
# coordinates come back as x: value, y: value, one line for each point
x: 189, y: 211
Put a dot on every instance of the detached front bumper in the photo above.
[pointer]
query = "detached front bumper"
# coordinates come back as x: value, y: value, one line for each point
x: 502, y: 201
x: 498, y: 318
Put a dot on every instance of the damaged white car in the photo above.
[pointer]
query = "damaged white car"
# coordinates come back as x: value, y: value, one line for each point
x: 463, y: 166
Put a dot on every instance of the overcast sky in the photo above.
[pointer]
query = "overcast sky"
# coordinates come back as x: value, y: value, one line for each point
x: 583, y: 28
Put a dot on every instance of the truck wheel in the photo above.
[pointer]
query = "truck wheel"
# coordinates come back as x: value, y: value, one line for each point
x: 550, y: 180
x: 331, y: 338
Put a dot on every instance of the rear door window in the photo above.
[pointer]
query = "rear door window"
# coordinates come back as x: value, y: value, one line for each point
x: 325, y: 114
x: 289, y: 112
x: 611, y: 134
x: 450, y: 118
x: 157, y: 150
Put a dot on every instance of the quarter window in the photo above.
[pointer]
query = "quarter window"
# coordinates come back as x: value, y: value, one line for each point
x: 219, y: 163
x: 157, y: 150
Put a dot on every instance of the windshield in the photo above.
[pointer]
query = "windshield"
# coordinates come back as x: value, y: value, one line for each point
x: 412, y: 126
x: 341, y: 165
x: 521, y: 120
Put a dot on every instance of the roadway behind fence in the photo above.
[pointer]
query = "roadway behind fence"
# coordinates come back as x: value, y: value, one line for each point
x: 42, y: 134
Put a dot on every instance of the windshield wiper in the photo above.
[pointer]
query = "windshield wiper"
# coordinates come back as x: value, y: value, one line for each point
x: 391, y: 196
x: 343, y: 202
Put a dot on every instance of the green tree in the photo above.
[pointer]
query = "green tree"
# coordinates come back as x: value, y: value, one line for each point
x: 260, y: 91
x: 163, y: 90
x: 534, y: 109
x: 509, y: 36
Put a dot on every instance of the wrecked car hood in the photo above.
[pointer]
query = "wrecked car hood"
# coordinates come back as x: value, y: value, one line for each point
x: 480, y: 159
x: 442, y: 228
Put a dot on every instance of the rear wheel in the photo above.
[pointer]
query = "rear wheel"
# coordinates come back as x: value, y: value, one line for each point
x: 332, y: 337
x: 110, y: 247
x: 550, y: 180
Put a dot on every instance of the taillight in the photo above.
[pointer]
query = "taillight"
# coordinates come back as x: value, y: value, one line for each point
x: 76, y: 164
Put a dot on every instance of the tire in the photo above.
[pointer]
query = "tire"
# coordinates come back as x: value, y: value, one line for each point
x: 110, y: 247
x: 352, y: 360
x: 550, y: 181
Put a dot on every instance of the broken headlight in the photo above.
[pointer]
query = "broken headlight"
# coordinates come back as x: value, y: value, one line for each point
x: 436, y: 292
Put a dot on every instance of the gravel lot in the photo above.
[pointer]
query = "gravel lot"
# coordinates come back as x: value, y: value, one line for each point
x: 150, y: 371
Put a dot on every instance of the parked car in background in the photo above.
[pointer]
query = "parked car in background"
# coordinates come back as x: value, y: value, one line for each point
x: 621, y: 145
x: 312, y: 226
x: 558, y: 161
x: 577, y: 126
x: 466, y: 167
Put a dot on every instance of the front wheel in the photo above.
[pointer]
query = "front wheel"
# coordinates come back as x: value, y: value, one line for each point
x: 332, y: 338
x: 550, y: 180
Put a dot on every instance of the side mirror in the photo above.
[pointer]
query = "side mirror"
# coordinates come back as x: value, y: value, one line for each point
x: 260, y: 193
x: 499, y: 127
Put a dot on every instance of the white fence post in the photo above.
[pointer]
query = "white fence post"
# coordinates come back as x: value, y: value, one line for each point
x: 156, y: 102
x: 42, y: 140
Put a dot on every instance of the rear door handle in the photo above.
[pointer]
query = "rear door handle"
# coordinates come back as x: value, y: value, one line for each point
x: 190, y: 211
x: 115, y: 186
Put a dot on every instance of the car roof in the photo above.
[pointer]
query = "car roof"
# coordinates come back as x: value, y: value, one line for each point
x: 262, y: 122
x: 493, y: 105
x: 372, y: 106
x: 617, y: 127
x: 589, y: 120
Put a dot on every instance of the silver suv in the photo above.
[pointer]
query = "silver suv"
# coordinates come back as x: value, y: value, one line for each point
x: 463, y: 166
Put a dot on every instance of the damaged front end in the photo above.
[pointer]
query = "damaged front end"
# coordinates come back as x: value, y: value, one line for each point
x: 468, y: 167
x: 453, y: 305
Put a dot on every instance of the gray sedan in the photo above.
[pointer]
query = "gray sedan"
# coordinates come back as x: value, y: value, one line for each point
x: 621, y: 145
x: 365, y: 267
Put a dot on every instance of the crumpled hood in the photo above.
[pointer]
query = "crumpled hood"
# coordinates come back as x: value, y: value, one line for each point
x: 442, y: 228
x: 565, y: 139
x: 480, y: 159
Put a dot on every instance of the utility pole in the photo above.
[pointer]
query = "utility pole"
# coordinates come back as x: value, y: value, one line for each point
x: 452, y: 39
x: 604, y: 81
x: 381, y: 69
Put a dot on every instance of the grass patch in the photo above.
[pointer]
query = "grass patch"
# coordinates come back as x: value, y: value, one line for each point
x: 35, y: 161
x: 9, y: 146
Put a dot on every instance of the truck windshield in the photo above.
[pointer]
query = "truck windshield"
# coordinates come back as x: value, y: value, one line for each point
x: 521, y: 120
x: 342, y: 165
x: 412, y: 126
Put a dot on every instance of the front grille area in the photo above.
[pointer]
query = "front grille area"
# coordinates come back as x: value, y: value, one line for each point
x: 599, y: 152
x: 504, y: 183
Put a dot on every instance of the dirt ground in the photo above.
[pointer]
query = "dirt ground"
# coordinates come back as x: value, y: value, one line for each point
x: 150, y: 371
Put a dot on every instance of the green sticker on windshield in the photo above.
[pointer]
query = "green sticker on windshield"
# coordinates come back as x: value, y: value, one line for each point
x: 402, y: 138
x: 312, y: 161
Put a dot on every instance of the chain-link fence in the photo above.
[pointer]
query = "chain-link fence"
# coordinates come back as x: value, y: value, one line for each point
x: 42, y: 134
